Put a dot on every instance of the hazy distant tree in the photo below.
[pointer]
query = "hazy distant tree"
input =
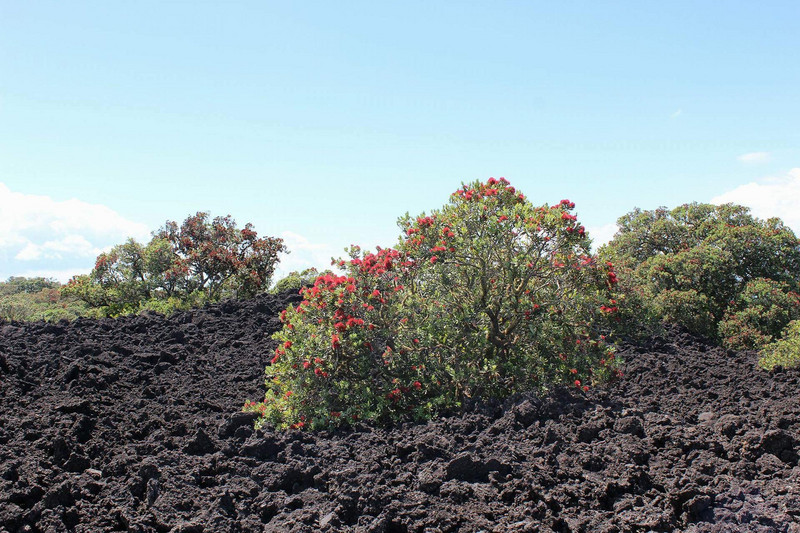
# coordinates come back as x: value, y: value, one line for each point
x: 181, y: 266
x: 220, y: 259
x: 26, y: 299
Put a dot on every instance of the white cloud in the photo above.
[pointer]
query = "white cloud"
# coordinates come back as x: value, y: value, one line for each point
x: 40, y: 234
x: 769, y: 197
x: 69, y: 245
x: 676, y: 114
x: 601, y: 235
x: 304, y: 254
x: 754, y: 157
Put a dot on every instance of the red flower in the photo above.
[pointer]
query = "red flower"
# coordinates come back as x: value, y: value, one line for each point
x: 434, y: 259
x: 417, y: 385
x: 577, y: 383
x: 287, y: 344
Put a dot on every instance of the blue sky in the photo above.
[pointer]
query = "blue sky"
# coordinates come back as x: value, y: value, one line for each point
x: 324, y: 121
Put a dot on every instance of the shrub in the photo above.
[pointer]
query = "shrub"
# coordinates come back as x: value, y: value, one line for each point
x: 297, y: 280
x: 125, y: 277
x: 167, y: 306
x: 759, y: 314
x: 182, y: 266
x: 784, y: 352
x: 487, y: 297
x: 716, y: 270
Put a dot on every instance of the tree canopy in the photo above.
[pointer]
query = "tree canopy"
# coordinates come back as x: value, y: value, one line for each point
x: 183, y: 265
x: 715, y: 269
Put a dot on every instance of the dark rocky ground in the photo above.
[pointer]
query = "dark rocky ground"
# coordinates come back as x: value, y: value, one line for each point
x: 133, y: 425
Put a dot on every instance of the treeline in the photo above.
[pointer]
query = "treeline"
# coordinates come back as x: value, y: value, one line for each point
x: 30, y: 299
x: 201, y: 260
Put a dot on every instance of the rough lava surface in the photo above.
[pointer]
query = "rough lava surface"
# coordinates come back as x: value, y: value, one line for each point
x: 134, y: 424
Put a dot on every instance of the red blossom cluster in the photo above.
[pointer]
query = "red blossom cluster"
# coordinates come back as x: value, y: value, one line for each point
x: 425, y: 221
x: 385, y: 260
x: 492, y: 187
x: 610, y: 309
x: 612, y: 276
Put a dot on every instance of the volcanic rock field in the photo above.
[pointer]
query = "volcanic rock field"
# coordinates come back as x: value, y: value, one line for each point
x: 135, y: 424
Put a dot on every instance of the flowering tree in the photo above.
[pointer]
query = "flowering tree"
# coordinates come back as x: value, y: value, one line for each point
x: 216, y: 257
x: 181, y: 266
x: 513, y: 285
x: 484, y: 298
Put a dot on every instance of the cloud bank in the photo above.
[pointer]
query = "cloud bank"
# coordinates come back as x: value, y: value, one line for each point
x: 770, y: 197
x: 40, y: 236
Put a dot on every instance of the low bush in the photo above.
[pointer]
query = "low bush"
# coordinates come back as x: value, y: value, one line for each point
x: 486, y: 297
x: 784, y: 352
x: 759, y: 314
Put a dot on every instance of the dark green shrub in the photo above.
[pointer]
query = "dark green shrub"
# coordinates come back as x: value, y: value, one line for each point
x: 784, y: 352
x: 716, y: 270
x: 759, y: 314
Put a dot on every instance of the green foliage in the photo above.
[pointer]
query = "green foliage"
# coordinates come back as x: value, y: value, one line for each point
x: 716, y: 270
x: 182, y: 266
x: 125, y: 277
x: 30, y: 299
x: 20, y: 284
x: 487, y: 297
x: 167, y: 306
x: 784, y: 352
x: 297, y: 280
x: 759, y: 314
